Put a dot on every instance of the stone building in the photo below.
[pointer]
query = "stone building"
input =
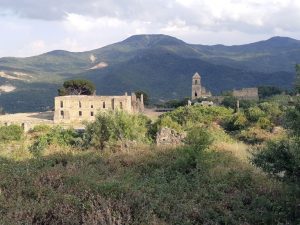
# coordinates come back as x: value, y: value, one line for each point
x: 246, y: 94
x: 198, y: 91
x: 76, y: 108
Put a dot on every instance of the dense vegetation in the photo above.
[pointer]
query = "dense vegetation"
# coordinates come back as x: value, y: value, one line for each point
x: 112, y: 173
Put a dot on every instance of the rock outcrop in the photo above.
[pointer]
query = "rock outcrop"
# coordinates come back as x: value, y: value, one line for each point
x: 169, y: 137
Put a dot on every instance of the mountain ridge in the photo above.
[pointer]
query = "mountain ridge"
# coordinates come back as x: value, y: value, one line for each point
x: 160, y: 64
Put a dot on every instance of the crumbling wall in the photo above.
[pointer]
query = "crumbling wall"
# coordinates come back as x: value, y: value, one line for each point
x: 169, y: 137
x: 246, y: 93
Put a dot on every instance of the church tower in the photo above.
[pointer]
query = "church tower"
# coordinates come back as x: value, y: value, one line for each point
x: 196, y: 86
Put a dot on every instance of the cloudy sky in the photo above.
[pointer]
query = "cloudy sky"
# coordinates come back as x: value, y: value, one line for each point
x: 30, y: 27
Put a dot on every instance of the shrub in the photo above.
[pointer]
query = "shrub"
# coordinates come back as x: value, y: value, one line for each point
x: 246, y: 104
x: 280, y: 159
x: 273, y: 111
x: 166, y: 121
x: 40, y: 128
x: 292, y: 119
x: 37, y: 148
x: 58, y: 136
x: 254, y: 135
x: 265, y: 123
x: 11, y: 133
x: 236, y: 122
x: 254, y: 114
x: 192, y: 155
x: 198, y: 114
x: 229, y: 101
x: 198, y: 138
x: 113, y: 126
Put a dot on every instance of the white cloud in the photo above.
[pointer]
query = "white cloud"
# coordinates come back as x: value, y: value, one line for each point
x: 78, y: 25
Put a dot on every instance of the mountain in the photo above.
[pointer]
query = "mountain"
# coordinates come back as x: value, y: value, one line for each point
x: 158, y: 64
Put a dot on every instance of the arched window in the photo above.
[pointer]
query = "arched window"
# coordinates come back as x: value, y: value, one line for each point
x: 196, y: 81
x: 196, y: 94
x: 103, y: 105
x: 61, y: 104
x: 79, y: 104
x: 80, y: 113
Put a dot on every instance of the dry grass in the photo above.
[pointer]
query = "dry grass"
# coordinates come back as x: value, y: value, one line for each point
x: 238, y: 149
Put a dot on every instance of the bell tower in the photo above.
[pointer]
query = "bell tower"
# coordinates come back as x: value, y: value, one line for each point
x: 196, y: 86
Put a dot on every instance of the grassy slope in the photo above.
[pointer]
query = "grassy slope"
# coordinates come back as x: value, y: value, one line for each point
x: 150, y: 186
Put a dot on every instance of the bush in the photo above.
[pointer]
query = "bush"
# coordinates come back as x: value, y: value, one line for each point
x: 40, y: 128
x: 165, y: 121
x: 292, y: 119
x: 254, y: 114
x: 246, y: 104
x: 254, y: 135
x: 198, y: 138
x: 273, y: 111
x: 58, y: 136
x: 191, y: 115
x: 111, y: 127
x: 236, y: 122
x: 265, y: 123
x: 280, y: 159
x: 11, y: 133
x: 229, y: 101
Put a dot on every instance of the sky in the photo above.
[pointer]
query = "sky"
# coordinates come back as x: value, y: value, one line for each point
x: 31, y: 27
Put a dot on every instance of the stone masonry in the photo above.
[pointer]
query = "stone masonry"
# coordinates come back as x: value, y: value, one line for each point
x: 198, y: 91
x: 76, y: 108
x: 246, y: 94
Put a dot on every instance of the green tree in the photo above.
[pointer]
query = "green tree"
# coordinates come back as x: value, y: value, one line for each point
x: 77, y: 87
x: 145, y: 96
x: 268, y: 91
x: 229, y: 101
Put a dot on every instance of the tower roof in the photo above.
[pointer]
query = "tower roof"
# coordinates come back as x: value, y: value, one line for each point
x: 196, y: 75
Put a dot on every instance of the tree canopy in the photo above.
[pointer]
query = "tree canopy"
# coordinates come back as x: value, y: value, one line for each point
x: 77, y: 87
x: 268, y: 91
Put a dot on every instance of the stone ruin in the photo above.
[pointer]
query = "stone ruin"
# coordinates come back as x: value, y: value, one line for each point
x: 169, y: 137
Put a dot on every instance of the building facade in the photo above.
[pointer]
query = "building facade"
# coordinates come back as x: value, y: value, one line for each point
x: 76, y: 108
x: 198, y: 91
x: 246, y: 94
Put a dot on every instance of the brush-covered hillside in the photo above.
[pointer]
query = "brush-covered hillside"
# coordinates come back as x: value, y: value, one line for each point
x: 158, y: 64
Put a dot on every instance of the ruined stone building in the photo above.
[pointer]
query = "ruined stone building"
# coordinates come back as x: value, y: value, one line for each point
x: 74, y: 108
x: 246, y: 94
x: 198, y: 91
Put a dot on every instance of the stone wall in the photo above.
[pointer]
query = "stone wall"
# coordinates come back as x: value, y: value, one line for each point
x: 169, y: 137
x: 246, y: 93
x: 76, y: 108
